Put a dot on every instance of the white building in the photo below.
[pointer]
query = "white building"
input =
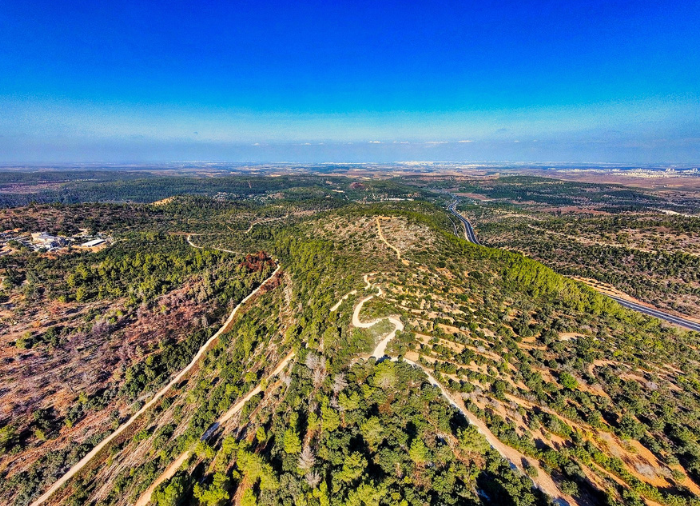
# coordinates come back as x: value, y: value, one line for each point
x: 93, y: 243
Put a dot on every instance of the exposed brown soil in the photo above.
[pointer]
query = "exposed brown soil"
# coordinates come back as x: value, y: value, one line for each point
x: 88, y: 363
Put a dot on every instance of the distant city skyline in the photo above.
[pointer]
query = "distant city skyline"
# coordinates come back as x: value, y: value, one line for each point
x: 350, y: 81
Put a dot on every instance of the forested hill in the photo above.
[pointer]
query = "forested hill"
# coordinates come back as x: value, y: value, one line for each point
x: 73, y: 187
x: 551, y: 390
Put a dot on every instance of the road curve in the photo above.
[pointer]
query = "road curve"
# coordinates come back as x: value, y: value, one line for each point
x: 97, y: 449
x: 469, y: 233
x: 657, y: 313
x: 380, y: 350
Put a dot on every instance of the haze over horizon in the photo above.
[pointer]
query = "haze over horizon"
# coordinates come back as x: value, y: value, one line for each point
x: 340, y: 81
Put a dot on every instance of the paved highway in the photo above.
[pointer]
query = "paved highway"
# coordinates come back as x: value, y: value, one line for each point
x: 658, y: 314
x: 471, y: 237
x: 468, y: 230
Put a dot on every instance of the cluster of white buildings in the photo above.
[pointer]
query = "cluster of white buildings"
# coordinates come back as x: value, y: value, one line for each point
x: 43, y: 241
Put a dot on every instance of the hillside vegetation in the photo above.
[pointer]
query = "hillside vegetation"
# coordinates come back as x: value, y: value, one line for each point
x: 551, y: 390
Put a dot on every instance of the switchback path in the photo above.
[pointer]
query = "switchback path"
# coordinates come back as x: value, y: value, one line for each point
x: 543, y: 480
x: 469, y: 233
x: 380, y: 350
x: 97, y: 449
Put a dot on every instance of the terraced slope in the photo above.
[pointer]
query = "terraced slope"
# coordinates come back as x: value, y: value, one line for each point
x: 424, y: 370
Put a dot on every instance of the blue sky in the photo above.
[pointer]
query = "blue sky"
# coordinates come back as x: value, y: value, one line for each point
x: 350, y: 81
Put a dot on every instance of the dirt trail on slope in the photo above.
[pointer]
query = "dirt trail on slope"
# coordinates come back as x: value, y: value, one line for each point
x: 237, y: 407
x: 543, y: 481
x: 177, y: 463
x: 189, y: 241
x: 337, y: 304
x: 170, y: 471
x: 167, y: 474
x: 380, y: 349
x: 381, y: 236
x: 97, y: 449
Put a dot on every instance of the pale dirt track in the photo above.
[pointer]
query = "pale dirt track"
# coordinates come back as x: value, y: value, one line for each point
x: 237, y: 407
x: 177, y: 463
x: 337, y: 304
x: 381, y: 236
x: 267, y: 220
x: 543, y: 481
x: 167, y: 474
x: 379, y: 351
x: 87, y: 458
x: 189, y: 241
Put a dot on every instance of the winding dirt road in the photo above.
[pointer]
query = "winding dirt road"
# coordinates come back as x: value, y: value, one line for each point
x: 543, y: 481
x: 380, y: 350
